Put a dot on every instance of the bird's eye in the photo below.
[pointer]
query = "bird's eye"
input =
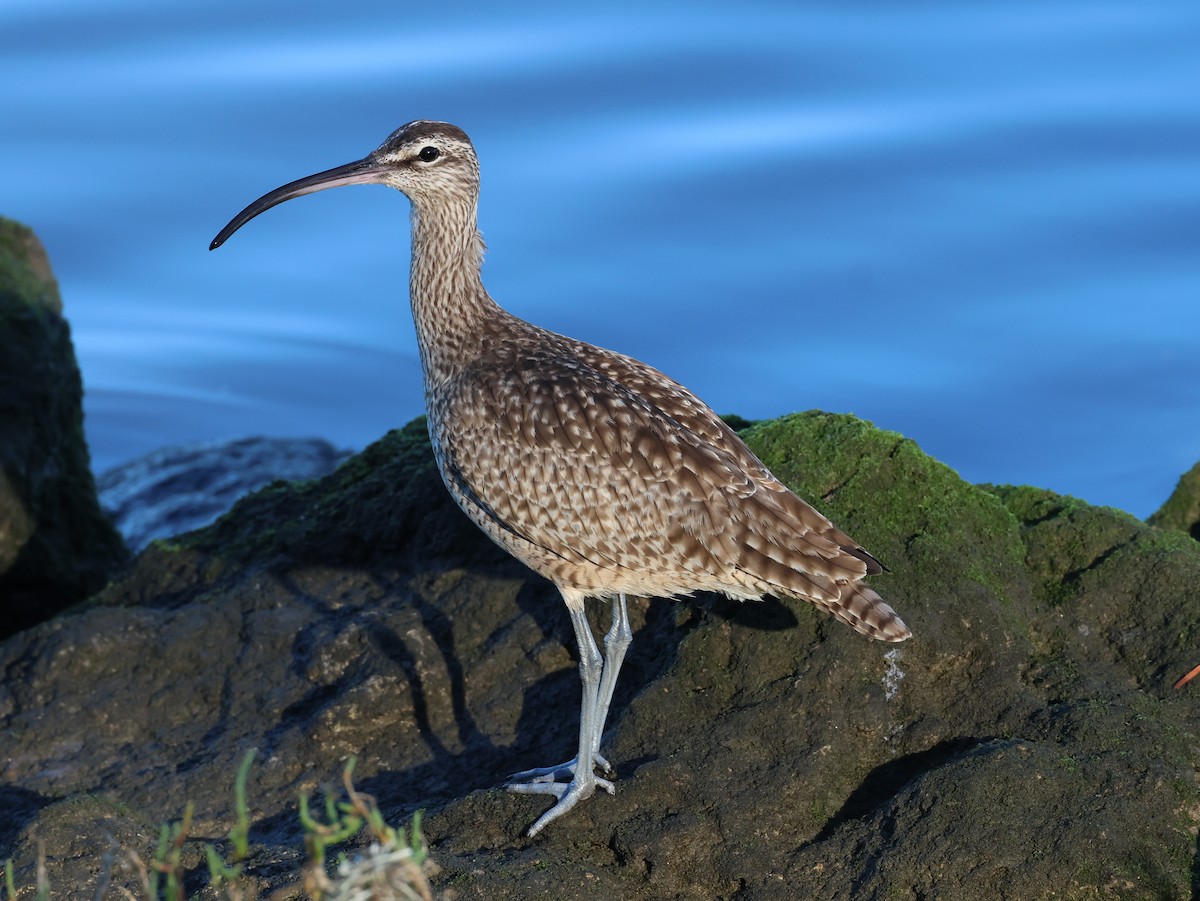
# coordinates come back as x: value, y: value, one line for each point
x: 429, y: 154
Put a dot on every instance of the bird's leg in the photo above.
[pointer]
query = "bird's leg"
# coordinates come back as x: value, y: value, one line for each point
x: 616, y: 643
x: 597, y: 694
x: 591, y: 666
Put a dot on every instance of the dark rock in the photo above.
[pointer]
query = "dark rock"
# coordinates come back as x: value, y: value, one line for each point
x: 737, y: 423
x: 180, y: 489
x: 1024, y: 744
x: 1182, y: 509
x: 56, y: 546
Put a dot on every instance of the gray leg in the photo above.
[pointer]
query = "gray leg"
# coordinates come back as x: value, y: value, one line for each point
x: 599, y: 678
x: 616, y: 643
x: 591, y: 669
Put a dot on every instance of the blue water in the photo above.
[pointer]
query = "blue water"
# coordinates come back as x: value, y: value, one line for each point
x: 976, y: 224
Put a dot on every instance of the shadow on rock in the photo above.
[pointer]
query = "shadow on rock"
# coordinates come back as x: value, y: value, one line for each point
x: 886, y: 780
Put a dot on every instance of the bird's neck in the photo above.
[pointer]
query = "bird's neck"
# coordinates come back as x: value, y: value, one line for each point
x: 453, y: 313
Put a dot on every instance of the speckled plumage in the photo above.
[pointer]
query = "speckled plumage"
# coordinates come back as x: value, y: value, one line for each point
x: 592, y: 468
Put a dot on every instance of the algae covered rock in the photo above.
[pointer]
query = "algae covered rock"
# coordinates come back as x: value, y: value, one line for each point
x: 1024, y: 744
x: 56, y: 546
x: 1113, y: 592
x: 1182, y: 509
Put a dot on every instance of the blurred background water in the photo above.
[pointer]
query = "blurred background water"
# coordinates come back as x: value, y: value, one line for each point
x: 976, y: 224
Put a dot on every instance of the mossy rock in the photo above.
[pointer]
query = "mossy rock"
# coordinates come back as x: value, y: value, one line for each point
x: 56, y: 546
x: 25, y: 273
x: 1024, y: 744
x: 1182, y: 509
x: 1113, y: 591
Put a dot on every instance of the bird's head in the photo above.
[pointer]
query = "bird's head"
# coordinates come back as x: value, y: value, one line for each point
x: 431, y: 162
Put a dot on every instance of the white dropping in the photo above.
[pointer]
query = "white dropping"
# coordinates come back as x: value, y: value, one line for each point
x: 893, y: 675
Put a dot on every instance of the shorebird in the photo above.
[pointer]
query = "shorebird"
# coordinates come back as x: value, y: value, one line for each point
x: 594, y: 469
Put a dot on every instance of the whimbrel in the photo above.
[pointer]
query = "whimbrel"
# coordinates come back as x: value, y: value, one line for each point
x: 595, y: 470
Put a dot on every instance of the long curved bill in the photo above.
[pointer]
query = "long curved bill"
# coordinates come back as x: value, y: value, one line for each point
x: 361, y: 172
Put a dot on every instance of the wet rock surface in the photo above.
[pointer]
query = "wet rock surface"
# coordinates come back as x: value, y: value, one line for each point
x: 56, y: 546
x: 1025, y: 743
x: 182, y: 488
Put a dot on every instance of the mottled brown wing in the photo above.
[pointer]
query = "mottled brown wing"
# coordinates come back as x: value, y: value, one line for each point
x: 674, y: 400
x: 683, y: 406
x: 576, y: 462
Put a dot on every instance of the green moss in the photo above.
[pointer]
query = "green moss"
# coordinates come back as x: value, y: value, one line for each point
x: 898, y: 502
x: 844, y: 464
x: 1111, y: 588
x: 385, y: 501
x: 24, y: 268
x: 1182, y: 509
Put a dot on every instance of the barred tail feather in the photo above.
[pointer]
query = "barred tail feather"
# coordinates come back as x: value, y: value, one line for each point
x: 861, y: 608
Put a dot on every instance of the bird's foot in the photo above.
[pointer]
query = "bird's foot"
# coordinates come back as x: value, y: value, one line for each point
x: 567, y: 782
x: 563, y: 772
x: 580, y: 788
